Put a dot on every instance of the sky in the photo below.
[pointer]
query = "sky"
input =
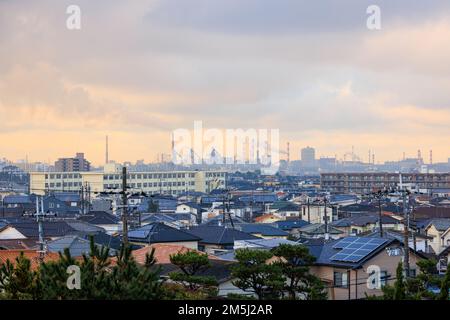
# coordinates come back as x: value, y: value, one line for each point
x: 137, y: 70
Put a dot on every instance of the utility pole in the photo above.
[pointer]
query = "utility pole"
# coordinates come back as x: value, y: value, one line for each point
x: 82, y: 199
x: 414, y: 229
x: 88, y: 196
x: 309, y: 215
x: 327, y: 234
x: 223, y: 215
x: 124, y: 207
x: 380, y: 217
x: 406, y: 232
x: 39, y: 213
x: 380, y: 214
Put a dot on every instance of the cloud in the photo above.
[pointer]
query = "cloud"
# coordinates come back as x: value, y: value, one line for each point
x: 139, y: 70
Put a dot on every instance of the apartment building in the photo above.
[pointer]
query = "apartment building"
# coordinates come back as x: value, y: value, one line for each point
x: 369, y: 181
x: 79, y: 163
x: 168, y: 182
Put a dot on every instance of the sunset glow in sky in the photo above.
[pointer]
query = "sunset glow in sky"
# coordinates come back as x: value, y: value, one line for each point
x: 137, y: 70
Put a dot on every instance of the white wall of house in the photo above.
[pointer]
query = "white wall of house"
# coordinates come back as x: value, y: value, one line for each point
x: 227, y: 287
x: 10, y: 233
x: 436, y: 243
x: 110, y: 228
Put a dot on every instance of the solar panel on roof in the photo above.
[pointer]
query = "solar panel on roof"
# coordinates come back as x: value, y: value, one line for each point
x: 356, y: 248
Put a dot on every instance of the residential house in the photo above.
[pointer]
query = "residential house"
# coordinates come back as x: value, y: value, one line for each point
x: 360, y: 224
x: 102, y: 219
x: 292, y: 226
x: 214, y: 239
x: 63, y: 203
x: 268, y: 218
x: 77, y: 246
x: 20, y: 229
x: 168, y: 219
x: 316, y: 213
x: 285, y: 209
x: 318, y: 230
x: 32, y: 255
x: 349, y: 266
x: 263, y: 230
x: 21, y: 204
x: 438, y: 229
x: 161, y: 233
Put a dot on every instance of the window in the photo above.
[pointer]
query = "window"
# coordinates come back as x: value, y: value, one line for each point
x: 340, y: 279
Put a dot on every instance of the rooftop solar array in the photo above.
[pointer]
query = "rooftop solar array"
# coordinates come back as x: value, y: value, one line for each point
x: 356, y: 248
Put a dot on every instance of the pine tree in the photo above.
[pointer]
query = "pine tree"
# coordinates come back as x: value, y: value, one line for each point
x: 399, y: 286
x: 191, y: 264
x: 445, y: 286
x: 295, y: 261
x: 254, y: 272
x: 18, y: 280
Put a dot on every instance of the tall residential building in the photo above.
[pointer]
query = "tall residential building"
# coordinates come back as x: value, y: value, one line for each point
x: 164, y: 182
x: 357, y: 182
x: 77, y: 164
x: 308, y: 157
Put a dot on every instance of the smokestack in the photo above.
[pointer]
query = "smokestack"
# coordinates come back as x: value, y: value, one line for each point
x: 288, y: 153
x: 173, y: 149
x: 431, y: 156
x: 106, y: 151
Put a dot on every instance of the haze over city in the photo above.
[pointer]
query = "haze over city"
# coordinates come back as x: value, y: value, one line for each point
x: 253, y: 64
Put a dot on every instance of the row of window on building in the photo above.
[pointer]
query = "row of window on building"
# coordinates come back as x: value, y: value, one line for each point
x: 150, y: 185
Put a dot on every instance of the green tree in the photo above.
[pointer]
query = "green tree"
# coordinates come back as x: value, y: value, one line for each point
x: 131, y: 281
x: 399, y: 285
x: 18, y: 280
x: 254, y: 272
x: 445, y: 285
x: 191, y: 264
x: 295, y: 262
x: 100, y: 278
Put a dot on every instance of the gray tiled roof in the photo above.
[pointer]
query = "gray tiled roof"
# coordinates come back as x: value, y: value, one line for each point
x: 219, y: 234
x: 76, y: 245
x: 318, y: 228
x: 440, y: 224
x: 160, y: 232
